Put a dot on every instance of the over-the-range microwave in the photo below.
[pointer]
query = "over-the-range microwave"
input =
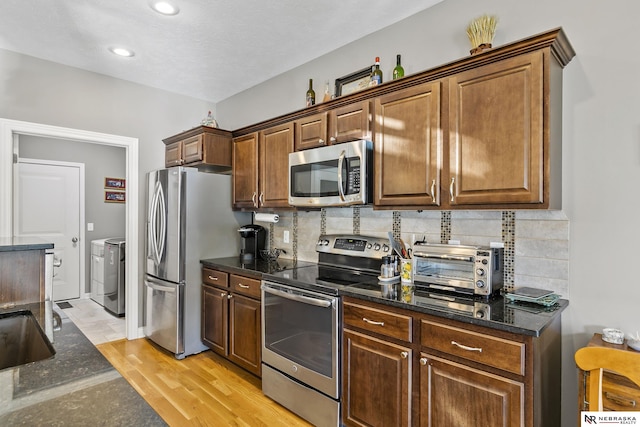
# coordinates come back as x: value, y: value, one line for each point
x: 334, y: 175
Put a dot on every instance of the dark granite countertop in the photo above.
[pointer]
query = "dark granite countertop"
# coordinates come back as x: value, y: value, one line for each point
x: 254, y: 269
x: 496, y: 313
x: 8, y: 244
x: 77, y: 386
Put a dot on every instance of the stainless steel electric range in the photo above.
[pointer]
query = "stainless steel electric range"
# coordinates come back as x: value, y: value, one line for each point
x: 301, y: 324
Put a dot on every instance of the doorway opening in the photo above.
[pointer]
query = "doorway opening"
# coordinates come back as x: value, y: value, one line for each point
x: 10, y: 130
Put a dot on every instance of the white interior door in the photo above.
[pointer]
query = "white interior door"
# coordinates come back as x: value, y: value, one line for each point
x: 47, y: 206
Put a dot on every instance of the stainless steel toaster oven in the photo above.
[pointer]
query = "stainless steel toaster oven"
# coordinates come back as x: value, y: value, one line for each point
x: 468, y: 270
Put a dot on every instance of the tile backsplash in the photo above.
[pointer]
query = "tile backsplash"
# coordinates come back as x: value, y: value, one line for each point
x: 536, y: 242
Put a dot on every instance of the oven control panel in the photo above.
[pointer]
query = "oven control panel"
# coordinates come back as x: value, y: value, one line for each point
x: 353, y: 245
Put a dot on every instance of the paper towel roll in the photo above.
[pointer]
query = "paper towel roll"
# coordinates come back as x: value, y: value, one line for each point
x: 264, y: 217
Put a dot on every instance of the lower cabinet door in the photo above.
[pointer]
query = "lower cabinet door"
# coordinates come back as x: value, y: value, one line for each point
x: 452, y: 394
x: 214, y: 319
x: 376, y: 385
x: 244, y: 333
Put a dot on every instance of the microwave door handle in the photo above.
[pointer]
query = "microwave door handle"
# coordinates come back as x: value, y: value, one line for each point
x: 444, y: 256
x: 340, y: 163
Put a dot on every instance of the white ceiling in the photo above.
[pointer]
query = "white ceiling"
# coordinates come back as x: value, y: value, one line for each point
x: 211, y: 50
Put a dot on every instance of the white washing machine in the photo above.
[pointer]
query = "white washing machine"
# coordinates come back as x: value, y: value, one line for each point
x: 97, y: 271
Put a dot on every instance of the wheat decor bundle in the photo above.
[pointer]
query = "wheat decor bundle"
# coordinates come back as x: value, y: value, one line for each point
x: 481, y: 31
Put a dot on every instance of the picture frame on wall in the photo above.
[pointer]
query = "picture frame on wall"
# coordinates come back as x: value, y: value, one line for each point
x: 115, y: 197
x: 115, y: 183
x: 353, y: 82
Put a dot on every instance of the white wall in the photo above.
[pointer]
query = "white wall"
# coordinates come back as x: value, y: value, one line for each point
x: 43, y: 92
x: 601, y: 138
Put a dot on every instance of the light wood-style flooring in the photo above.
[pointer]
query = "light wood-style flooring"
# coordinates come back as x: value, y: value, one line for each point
x: 200, y: 390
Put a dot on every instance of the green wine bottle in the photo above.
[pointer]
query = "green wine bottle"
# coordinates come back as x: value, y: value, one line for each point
x: 311, y: 94
x: 398, y: 72
x: 376, y: 75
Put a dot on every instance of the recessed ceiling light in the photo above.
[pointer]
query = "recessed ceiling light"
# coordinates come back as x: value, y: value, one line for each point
x: 164, y: 7
x: 121, y: 51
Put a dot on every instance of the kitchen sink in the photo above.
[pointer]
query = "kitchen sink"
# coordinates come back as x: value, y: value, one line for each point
x: 22, y: 340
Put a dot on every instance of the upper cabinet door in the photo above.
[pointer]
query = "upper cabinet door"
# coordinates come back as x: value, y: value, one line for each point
x: 496, y: 140
x: 350, y: 123
x: 311, y: 132
x: 275, y: 145
x: 408, y: 147
x: 245, y: 171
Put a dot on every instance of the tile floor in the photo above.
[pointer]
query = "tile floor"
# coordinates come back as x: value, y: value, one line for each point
x: 97, y: 324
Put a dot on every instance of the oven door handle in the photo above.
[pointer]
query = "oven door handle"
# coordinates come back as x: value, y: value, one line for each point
x: 298, y: 298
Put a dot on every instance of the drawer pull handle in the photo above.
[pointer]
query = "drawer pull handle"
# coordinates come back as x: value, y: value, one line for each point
x: 244, y: 286
x: 423, y: 361
x: 464, y: 347
x: 404, y: 354
x: 372, y: 322
x: 213, y: 278
x: 620, y: 400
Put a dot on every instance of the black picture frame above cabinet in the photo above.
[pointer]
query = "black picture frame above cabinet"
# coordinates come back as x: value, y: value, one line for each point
x: 353, y: 82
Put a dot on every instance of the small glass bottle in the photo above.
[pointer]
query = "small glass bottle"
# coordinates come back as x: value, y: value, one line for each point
x: 376, y: 75
x: 398, y: 71
x: 311, y: 94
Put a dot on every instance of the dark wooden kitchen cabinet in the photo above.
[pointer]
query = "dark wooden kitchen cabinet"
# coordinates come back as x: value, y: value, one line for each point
x: 497, y: 133
x: 245, y: 171
x: 376, y: 381
x: 231, y: 322
x: 342, y: 124
x: 311, y: 131
x: 402, y: 367
x: 376, y: 366
x: 261, y: 168
x: 408, y: 147
x: 206, y: 148
x: 275, y: 144
x: 454, y: 394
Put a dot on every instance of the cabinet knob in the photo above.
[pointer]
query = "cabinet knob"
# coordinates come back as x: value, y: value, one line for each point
x: 404, y: 354
x: 332, y: 139
x: 321, y: 141
x: 223, y: 294
x: 423, y: 361
x: 229, y: 296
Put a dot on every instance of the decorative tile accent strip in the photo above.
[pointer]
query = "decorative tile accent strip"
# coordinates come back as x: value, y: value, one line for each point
x: 397, y: 222
x: 294, y: 242
x: 509, y: 240
x: 271, y: 233
x: 356, y: 220
x: 323, y: 221
x: 445, y: 226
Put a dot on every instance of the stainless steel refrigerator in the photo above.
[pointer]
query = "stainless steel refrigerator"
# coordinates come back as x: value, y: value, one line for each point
x: 189, y: 218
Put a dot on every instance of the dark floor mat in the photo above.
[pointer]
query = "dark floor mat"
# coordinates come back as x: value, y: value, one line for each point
x: 64, y: 305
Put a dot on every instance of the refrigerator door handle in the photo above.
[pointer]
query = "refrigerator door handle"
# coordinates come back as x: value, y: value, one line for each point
x: 158, y: 223
x: 159, y: 287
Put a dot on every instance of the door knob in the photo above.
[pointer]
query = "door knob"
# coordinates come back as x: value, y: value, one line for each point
x: 74, y: 240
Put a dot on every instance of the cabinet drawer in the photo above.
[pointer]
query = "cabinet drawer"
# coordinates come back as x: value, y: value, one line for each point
x: 245, y: 285
x: 379, y: 321
x: 618, y: 393
x: 215, y: 277
x: 492, y: 351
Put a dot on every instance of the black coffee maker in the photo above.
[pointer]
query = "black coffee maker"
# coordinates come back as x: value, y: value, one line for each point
x: 252, y: 242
